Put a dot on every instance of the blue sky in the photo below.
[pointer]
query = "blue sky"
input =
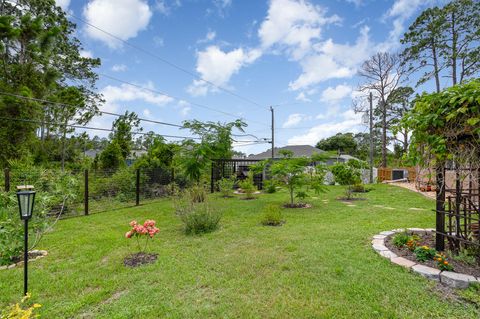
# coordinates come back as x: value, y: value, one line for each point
x: 301, y: 56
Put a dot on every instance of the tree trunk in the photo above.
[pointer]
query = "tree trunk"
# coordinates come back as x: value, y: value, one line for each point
x: 291, y: 195
x: 435, y: 66
x: 454, y: 51
x: 384, y: 134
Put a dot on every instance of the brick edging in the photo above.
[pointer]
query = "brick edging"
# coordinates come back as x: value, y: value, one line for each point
x: 20, y: 263
x: 449, y: 278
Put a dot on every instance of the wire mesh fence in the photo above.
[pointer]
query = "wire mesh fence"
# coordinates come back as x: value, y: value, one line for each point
x: 93, y: 191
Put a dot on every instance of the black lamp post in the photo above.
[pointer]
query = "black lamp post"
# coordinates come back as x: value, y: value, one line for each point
x: 26, y: 199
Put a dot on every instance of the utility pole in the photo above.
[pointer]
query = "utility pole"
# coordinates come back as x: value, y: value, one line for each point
x: 273, y: 132
x: 370, y: 115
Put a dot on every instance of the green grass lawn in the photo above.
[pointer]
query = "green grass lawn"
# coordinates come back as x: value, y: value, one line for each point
x: 319, y: 264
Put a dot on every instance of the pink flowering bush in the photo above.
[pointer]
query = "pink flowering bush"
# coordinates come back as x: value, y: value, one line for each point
x: 138, y: 231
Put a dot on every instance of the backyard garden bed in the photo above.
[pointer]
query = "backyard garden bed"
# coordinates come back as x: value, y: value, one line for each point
x: 139, y: 259
x: 428, y: 239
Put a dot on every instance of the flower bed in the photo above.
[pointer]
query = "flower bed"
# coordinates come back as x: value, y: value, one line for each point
x: 414, y: 252
x: 32, y: 255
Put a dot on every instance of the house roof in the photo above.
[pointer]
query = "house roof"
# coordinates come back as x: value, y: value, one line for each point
x: 298, y: 151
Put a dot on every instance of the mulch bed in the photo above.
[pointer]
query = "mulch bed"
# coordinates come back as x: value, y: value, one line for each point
x: 31, y: 255
x: 139, y: 259
x: 429, y: 240
x: 297, y: 205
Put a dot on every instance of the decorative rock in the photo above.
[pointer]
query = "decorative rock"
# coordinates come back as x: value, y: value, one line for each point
x: 379, y: 237
x: 20, y: 263
x: 387, y: 254
x: 3, y: 267
x: 378, y: 242
x: 399, y: 230
x: 430, y: 230
x: 11, y: 266
x: 379, y: 247
x: 456, y: 280
x: 416, y: 230
x: 428, y: 272
x: 403, y: 262
x: 387, y: 233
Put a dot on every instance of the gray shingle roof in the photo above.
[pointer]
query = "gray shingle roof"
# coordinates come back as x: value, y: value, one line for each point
x: 298, y: 151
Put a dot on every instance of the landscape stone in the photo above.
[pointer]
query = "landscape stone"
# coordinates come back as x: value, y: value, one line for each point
x: 403, y: 262
x: 379, y: 237
x: 11, y: 266
x: 378, y: 242
x: 3, y: 267
x: 456, y: 280
x: 387, y: 254
x: 387, y: 233
x: 379, y: 247
x: 417, y: 230
x: 428, y: 272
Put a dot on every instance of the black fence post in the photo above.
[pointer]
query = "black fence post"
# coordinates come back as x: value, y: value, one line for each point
x: 7, y: 179
x: 137, y: 189
x: 86, y: 193
x: 440, y: 207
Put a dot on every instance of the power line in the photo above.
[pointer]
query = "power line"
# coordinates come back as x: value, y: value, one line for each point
x: 171, y: 64
x: 177, y: 98
x: 93, y: 128
x: 109, y: 113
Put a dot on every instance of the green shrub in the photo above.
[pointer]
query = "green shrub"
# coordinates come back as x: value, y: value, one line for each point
x: 225, y: 186
x: 270, y: 186
x: 248, y: 187
x: 424, y: 253
x: 202, y: 218
x: 272, y: 216
x: 401, y: 239
x: 197, y: 193
x: 468, y: 256
x: 301, y: 195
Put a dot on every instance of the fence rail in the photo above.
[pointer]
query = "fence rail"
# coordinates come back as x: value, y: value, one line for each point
x: 98, y: 190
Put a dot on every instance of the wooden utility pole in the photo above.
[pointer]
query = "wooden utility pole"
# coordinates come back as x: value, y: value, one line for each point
x: 273, y: 132
x: 370, y: 115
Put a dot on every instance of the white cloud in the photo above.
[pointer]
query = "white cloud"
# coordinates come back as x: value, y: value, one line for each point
x: 302, y: 97
x: 185, y: 107
x: 292, y: 25
x: 295, y: 119
x: 209, y: 37
x: 333, y: 61
x: 185, y: 111
x: 122, y: 18
x: 119, y: 68
x: 63, y: 4
x: 348, y: 122
x: 222, y: 6
x: 86, y: 54
x: 147, y: 112
x: 125, y: 93
x: 335, y: 94
x: 217, y: 66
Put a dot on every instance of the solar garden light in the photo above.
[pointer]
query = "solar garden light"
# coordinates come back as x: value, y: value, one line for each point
x: 26, y: 199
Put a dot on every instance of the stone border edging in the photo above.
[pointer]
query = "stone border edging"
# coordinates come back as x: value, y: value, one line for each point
x: 42, y: 253
x: 449, y: 278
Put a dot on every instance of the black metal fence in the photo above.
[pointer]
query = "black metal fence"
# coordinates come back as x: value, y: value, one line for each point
x: 97, y: 190
x: 225, y: 168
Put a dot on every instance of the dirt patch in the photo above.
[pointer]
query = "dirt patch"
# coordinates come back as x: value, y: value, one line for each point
x: 246, y: 198
x: 429, y: 240
x: 139, y: 259
x: 297, y: 205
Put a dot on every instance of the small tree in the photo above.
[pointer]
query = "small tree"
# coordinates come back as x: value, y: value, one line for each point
x: 290, y: 172
x: 225, y: 186
x: 346, y: 175
x: 248, y: 186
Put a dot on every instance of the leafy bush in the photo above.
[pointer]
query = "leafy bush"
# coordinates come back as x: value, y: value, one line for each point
x: 468, y: 256
x: 272, y: 216
x: 196, y: 217
x: 53, y: 188
x: 442, y: 262
x: 424, y: 253
x: 270, y: 186
x: 346, y: 175
x: 197, y: 193
x: 247, y: 186
x: 225, y: 186
x: 401, y: 239
x: 201, y: 219
x: 301, y: 195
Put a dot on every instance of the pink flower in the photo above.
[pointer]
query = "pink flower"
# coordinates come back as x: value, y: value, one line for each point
x: 128, y: 234
x: 133, y: 223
